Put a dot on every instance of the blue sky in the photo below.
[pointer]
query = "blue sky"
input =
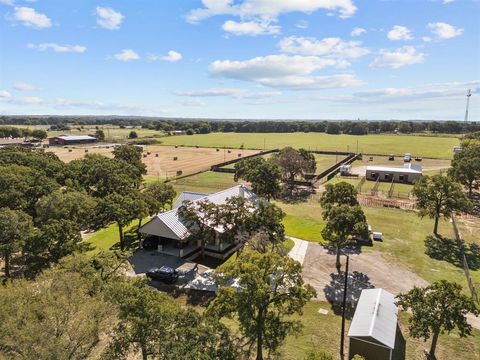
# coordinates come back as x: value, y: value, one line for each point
x: 278, y: 59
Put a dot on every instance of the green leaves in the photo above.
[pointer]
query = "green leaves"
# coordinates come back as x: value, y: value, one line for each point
x: 438, y: 308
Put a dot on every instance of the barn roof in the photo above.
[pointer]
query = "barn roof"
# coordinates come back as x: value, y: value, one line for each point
x: 406, y: 169
x: 375, y: 317
x: 76, y: 137
x: 172, y: 223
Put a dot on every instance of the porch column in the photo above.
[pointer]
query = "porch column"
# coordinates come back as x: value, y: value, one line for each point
x: 217, y: 240
x: 180, y: 252
x: 160, y: 248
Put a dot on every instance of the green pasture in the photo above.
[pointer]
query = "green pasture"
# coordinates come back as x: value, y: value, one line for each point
x: 322, y: 332
x: 426, y: 146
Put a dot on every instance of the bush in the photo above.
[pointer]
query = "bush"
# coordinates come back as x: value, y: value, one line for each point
x: 318, y: 355
x: 190, y: 132
x: 133, y: 135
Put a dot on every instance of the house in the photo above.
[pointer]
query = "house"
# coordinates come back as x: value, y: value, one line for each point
x: 407, y: 174
x: 63, y: 140
x: 170, y: 234
x: 373, y: 329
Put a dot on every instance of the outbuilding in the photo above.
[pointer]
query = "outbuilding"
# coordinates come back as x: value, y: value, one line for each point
x: 374, y: 326
x: 407, y: 174
x: 71, y: 140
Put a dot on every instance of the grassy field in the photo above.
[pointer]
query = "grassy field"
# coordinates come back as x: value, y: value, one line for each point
x: 426, y: 146
x: 322, y: 332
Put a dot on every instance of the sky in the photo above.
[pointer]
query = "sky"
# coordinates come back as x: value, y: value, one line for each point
x: 241, y: 59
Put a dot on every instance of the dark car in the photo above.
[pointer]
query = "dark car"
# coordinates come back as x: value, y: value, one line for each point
x: 391, y: 157
x: 165, y: 273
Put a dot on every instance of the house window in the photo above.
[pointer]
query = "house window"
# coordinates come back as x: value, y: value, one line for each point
x: 401, y: 177
x: 373, y: 175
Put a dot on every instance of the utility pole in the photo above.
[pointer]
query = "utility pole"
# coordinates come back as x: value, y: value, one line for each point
x: 342, y: 335
x: 469, y: 94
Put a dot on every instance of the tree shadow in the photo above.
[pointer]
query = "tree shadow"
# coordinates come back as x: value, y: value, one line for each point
x: 298, y: 195
x: 357, y: 281
x: 130, y: 239
x: 348, y: 250
x: 192, y: 297
x: 450, y: 250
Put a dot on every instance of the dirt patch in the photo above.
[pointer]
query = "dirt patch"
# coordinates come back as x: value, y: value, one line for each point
x: 366, y: 270
x: 164, y: 161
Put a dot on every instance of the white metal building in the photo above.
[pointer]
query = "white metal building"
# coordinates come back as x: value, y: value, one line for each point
x: 374, y: 326
x: 408, y: 174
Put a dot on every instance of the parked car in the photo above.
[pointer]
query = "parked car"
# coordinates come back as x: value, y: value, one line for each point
x: 165, y: 273
x: 418, y: 158
x: 391, y: 157
x: 407, y: 157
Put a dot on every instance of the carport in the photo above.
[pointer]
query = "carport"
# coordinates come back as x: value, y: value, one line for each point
x: 374, y: 326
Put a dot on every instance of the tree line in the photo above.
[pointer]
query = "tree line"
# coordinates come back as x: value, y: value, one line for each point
x: 192, y: 126
x: 16, y: 132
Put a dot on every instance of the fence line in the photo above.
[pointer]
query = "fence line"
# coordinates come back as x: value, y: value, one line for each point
x: 465, y: 263
x: 389, y: 203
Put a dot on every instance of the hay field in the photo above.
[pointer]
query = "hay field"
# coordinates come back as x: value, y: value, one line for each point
x: 160, y: 159
x: 440, y: 147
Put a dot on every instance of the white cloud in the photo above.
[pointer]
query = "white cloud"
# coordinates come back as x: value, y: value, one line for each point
x: 251, y: 28
x: 329, y: 47
x: 399, y: 32
x: 23, y: 86
x: 7, y: 2
x: 29, y: 17
x: 193, y: 102
x: 448, y: 1
x: 283, y: 71
x: 450, y: 90
x: 358, y: 31
x: 109, y: 18
x: 398, y: 58
x: 4, y: 94
x: 445, y: 31
x: 127, y: 55
x: 268, y: 8
x: 235, y: 93
x: 58, y: 48
x: 302, y: 24
x: 426, y: 38
x: 172, y: 56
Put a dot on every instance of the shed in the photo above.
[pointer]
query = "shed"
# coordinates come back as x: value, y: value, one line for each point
x: 374, y: 326
x: 71, y: 140
x: 408, y: 174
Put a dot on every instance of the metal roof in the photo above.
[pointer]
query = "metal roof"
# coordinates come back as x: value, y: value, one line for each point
x: 375, y: 317
x: 175, y: 224
x: 76, y: 137
x: 406, y: 169
x: 187, y: 195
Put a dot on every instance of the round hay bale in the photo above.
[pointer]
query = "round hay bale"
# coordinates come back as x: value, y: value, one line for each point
x: 218, y: 150
x: 197, y: 146
x: 70, y: 150
x: 176, y: 146
x: 175, y: 158
x: 86, y: 150
x: 179, y: 172
x: 239, y: 155
x: 148, y: 152
x: 156, y: 155
x: 144, y: 155
x: 229, y: 151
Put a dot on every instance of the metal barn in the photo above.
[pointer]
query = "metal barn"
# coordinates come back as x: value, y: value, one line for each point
x: 374, y: 326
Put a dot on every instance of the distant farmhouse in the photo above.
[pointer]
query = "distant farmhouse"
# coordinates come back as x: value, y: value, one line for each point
x: 71, y: 140
x: 407, y: 174
x: 169, y: 234
x: 373, y: 330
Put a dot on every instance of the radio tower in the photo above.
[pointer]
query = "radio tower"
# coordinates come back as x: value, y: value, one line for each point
x: 469, y: 93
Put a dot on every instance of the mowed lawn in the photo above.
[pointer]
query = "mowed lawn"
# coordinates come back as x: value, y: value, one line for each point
x: 426, y: 146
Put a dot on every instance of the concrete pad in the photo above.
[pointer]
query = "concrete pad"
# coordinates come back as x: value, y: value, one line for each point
x: 299, y: 249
